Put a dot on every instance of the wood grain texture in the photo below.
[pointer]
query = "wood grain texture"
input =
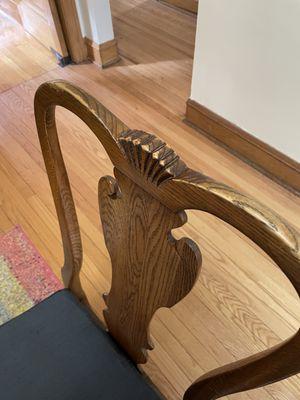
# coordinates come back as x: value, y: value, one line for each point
x: 42, y: 21
x: 10, y: 8
x: 151, y: 32
x: 150, y: 268
x: 242, y: 303
x: 50, y: 11
x: 138, y: 212
x: 267, y: 367
x: 96, y: 117
x: 22, y: 56
x: 151, y: 157
x: 277, y: 239
x: 71, y: 28
x: 188, y: 5
x: 271, y: 161
x: 104, y: 54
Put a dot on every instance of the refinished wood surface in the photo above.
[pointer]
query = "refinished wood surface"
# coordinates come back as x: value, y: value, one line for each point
x: 241, y: 303
x: 104, y: 54
x: 41, y: 20
x: 139, y: 209
x: 22, y: 56
x: 10, y: 8
x: 151, y: 271
x: 71, y: 30
x: 188, y: 5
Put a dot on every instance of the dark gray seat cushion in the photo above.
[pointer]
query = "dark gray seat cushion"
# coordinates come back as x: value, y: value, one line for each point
x: 55, y: 351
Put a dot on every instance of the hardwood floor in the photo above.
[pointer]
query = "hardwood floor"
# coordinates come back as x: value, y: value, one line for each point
x: 241, y: 303
x: 22, y: 56
x: 149, y: 32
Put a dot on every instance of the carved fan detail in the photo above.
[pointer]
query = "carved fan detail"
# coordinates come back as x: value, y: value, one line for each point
x: 151, y: 156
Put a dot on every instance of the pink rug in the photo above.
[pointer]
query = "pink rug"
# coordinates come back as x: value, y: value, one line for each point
x: 25, y: 277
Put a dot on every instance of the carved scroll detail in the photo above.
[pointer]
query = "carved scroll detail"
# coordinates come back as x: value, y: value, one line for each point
x: 150, y: 269
x: 151, y: 156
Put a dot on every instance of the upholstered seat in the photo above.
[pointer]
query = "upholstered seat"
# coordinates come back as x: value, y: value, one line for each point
x: 56, y: 351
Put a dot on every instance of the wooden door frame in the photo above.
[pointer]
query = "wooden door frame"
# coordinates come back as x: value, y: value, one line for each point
x: 62, y: 19
x: 71, y: 29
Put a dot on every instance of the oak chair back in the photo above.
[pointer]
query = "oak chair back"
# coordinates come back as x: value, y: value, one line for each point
x: 139, y: 207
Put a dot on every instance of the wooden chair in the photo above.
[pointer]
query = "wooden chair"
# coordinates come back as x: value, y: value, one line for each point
x: 147, y: 198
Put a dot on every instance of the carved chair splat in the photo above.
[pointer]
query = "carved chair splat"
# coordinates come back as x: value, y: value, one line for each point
x: 139, y: 207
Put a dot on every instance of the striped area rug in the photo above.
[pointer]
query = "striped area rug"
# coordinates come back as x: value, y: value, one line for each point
x: 25, y: 277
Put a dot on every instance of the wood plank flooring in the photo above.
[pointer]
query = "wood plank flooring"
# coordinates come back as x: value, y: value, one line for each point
x: 22, y: 56
x: 241, y: 303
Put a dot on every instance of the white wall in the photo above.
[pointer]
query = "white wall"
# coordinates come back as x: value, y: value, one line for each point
x: 95, y: 20
x: 247, y: 67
